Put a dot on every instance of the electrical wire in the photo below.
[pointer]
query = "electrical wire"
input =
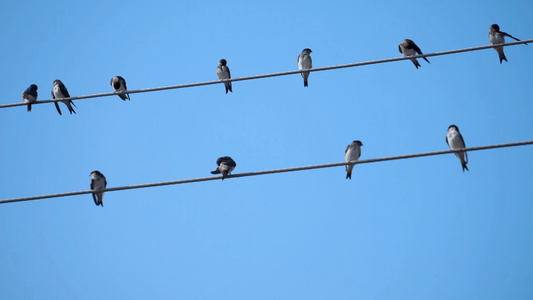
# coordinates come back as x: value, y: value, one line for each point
x: 270, y: 75
x: 139, y: 186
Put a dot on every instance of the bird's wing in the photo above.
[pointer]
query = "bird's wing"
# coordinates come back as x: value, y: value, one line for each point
x: 506, y: 34
x: 64, y: 90
x: 415, y: 46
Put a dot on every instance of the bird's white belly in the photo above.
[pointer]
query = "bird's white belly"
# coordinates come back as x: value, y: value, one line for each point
x: 409, y: 52
x: 57, y: 92
x: 455, y: 142
x: 496, y: 39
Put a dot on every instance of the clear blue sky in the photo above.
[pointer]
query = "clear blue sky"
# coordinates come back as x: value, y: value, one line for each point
x: 410, y: 229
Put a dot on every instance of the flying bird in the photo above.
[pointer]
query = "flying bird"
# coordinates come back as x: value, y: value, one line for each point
x: 454, y: 139
x: 498, y: 37
x: 353, y: 152
x: 223, y: 73
x: 119, y: 85
x: 305, y: 62
x: 98, y: 182
x: 225, y: 166
x: 409, y: 48
x: 60, y: 91
x: 30, y: 95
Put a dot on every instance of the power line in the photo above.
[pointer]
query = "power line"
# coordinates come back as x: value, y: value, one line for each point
x: 139, y: 186
x: 187, y: 85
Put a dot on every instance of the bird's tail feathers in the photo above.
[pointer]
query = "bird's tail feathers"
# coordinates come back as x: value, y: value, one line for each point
x: 58, y: 109
x: 29, y: 106
x: 502, y: 57
x: 70, y: 109
x: 416, y: 63
x: 305, y: 75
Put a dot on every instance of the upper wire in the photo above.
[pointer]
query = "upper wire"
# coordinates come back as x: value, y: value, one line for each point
x: 187, y: 85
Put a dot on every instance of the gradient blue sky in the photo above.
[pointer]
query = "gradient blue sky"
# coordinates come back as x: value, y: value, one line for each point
x: 410, y: 229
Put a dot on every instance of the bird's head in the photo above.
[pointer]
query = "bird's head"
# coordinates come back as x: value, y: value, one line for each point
x: 453, y: 128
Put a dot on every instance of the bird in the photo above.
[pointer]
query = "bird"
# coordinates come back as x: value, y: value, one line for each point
x: 60, y: 91
x: 119, y: 85
x: 225, y: 165
x: 224, y: 73
x: 30, y: 95
x: 98, y: 182
x: 353, y: 152
x: 498, y: 37
x: 305, y: 62
x: 454, y: 139
x: 409, y: 48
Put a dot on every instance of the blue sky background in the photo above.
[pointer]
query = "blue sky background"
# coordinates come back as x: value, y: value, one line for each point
x: 409, y: 229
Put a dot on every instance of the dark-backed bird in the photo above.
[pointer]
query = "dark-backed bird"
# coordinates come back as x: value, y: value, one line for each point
x: 225, y: 165
x: 119, y: 86
x: 409, y: 48
x: 60, y: 91
x: 352, y: 153
x: 224, y: 73
x: 305, y: 62
x: 98, y: 182
x: 498, y: 37
x: 30, y: 95
x: 454, y: 139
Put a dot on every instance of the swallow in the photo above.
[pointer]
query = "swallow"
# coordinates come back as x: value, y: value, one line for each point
x: 498, y: 37
x: 225, y: 166
x: 223, y: 73
x: 454, y: 139
x: 119, y: 85
x: 60, y: 91
x: 409, y: 48
x: 305, y: 62
x: 30, y: 95
x: 353, y: 152
x: 98, y: 182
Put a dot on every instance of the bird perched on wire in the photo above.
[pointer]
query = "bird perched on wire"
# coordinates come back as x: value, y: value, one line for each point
x: 30, y: 95
x: 353, y: 152
x: 98, y: 182
x: 305, y: 62
x: 409, y: 48
x: 60, y: 91
x: 454, y: 139
x: 224, y: 73
x: 119, y: 85
x: 498, y: 37
x: 225, y: 165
